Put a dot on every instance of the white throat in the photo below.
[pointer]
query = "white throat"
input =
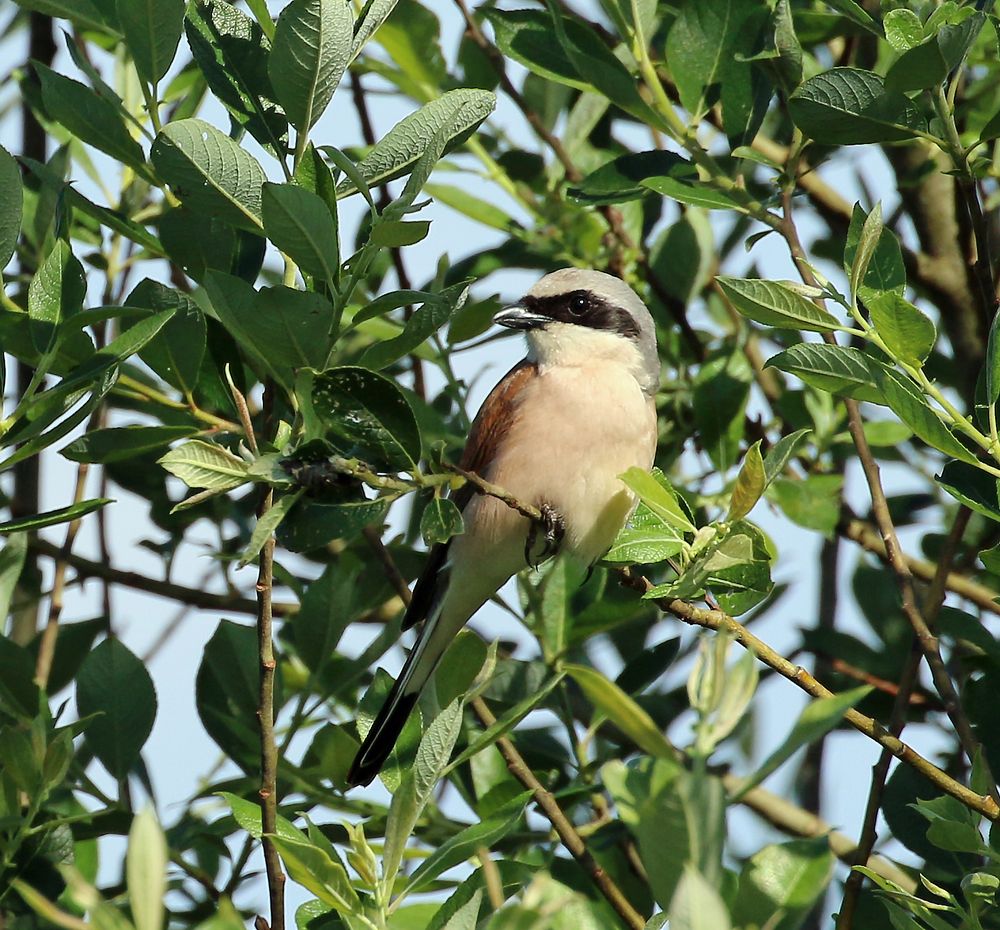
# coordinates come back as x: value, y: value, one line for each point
x: 571, y: 346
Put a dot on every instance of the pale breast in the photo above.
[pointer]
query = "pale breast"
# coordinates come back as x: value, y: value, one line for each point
x: 592, y: 425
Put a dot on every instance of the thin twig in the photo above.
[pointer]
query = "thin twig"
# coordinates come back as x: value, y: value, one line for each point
x: 265, y: 711
x: 897, y: 721
x: 87, y: 568
x: 866, y: 536
x: 567, y: 833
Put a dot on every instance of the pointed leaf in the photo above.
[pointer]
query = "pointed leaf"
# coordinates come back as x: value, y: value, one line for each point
x: 152, y: 30
x: 210, y: 172
x: 841, y: 370
x: 850, y: 106
x: 146, y: 870
x: 750, y: 484
x: 312, y: 45
x: 299, y: 223
x: 459, y: 111
x: 201, y: 464
x: 114, y: 687
x: 89, y: 117
x: 907, y: 332
x: 775, y: 304
x: 11, y: 197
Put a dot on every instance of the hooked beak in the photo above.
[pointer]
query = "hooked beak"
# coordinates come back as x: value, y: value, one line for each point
x: 518, y: 317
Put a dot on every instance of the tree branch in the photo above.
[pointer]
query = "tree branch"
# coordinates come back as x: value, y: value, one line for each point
x: 567, y: 833
x: 717, y: 620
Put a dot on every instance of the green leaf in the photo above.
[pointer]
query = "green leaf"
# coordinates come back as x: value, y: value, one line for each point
x: 11, y: 562
x: 505, y: 723
x: 152, y: 30
x: 972, y: 487
x: 591, y: 56
x: 656, y: 799
x: 782, y: 883
x: 646, y: 539
x: 436, y: 311
x: 313, y: 40
x: 868, y: 240
x: 812, y: 502
x: 201, y: 464
x: 314, y: 869
x: 227, y: 692
x: 697, y: 905
x: 466, y: 843
x: 83, y: 12
x: 413, y: 793
x: 885, y: 270
x: 840, y: 370
x: 440, y: 521
x: 89, y: 117
x: 781, y: 453
x: 721, y: 391
x: 621, y: 179
x: 177, y: 351
x: 11, y: 197
x: 283, y: 328
x: 850, y: 106
x: 775, y: 304
x: 313, y: 524
x: 661, y: 500
x: 817, y: 719
x: 928, y: 63
x: 992, y: 362
x: 913, y: 408
x: 56, y: 292
x: 367, y: 415
x: 113, y: 219
x: 525, y: 36
x: 122, y: 442
x: 458, y: 112
x: 327, y: 608
x: 299, y: 223
x: 210, y: 173
x: 373, y: 14
x: 394, y: 234
x: 621, y: 710
x: 903, y: 29
x: 692, y: 191
x: 52, y: 517
x: 750, y: 484
x: 707, y: 48
x: 114, y: 687
x: 146, y: 870
x: 265, y: 526
x: 231, y: 50
x: 907, y: 332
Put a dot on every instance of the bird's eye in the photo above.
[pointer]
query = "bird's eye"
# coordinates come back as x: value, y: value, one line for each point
x: 578, y: 304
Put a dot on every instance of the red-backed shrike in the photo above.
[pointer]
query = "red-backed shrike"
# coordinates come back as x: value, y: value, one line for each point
x: 556, y: 432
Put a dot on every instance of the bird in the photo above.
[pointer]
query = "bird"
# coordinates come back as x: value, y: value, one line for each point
x: 556, y: 432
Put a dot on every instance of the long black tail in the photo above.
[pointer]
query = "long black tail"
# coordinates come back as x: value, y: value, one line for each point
x: 385, y: 731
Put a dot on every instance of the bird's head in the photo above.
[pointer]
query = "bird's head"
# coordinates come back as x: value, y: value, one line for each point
x: 577, y: 317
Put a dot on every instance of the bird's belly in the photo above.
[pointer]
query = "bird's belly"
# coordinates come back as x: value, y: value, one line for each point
x: 600, y: 425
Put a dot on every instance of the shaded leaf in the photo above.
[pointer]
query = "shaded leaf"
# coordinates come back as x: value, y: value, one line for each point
x: 152, y: 30
x: 118, y: 443
x: 52, y: 517
x: 114, y: 687
x: 368, y: 415
x: 850, y: 106
x: 11, y: 197
x: 841, y: 370
x: 299, y: 223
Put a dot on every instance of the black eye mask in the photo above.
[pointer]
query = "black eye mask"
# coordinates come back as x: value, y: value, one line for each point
x: 584, y: 308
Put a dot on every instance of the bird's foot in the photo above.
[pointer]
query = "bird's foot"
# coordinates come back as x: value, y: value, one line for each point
x: 553, y: 527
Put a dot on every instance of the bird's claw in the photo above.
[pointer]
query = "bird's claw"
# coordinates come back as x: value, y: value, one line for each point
x: 554, y: 528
